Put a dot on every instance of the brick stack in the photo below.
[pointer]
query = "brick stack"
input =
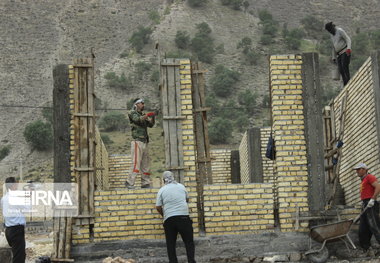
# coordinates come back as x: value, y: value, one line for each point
x: 288, y: 127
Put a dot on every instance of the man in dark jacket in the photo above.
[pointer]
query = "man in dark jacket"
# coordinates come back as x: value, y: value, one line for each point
x: 139, y: 145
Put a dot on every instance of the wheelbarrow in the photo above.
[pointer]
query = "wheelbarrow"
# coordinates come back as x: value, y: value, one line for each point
x: 330, y: 232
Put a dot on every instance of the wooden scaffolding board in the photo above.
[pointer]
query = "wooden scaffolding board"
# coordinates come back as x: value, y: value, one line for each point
x: 172, y: 118
x: 203, y: 156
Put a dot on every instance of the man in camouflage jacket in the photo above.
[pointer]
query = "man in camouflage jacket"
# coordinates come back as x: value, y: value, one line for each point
x: 139, y: 145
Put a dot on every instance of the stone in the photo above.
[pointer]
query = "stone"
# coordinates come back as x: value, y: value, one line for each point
x: 294, y: 257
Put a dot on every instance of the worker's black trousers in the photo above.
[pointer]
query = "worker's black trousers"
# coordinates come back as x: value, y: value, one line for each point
x: 182, y: 225
x: 15, y: 236
x: 343, y: 61
x: 369, y: 225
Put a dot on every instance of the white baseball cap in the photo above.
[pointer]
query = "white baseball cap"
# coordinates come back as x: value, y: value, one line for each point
x: 360, y: 165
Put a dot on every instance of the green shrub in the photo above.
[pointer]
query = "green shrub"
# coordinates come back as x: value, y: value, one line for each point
x: 251, y: 56
x: 212, y: 101
x: 223, y: 81
x: 312, y: 25
x: 234, y: 4
x: 293, y: 38
x: 182, y: 39
x: 203, y: 44
x: 154, y: 16
x: 115, y: 81
x: 361, y: 44
x: 113, y: 121
x: 220, y: 130
x: 266, y: 101
x: 4, y: 151
x: 248, y: 99
x: 269, y: 27
x: 39, y: 135
x: 141, y: 68
x: 140, y: 37
x: 106, y: 139
x: 47, y: 113
x: 242, y: 123
x: 196, y: 3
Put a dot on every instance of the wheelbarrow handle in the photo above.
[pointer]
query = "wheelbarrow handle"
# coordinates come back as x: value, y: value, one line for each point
x: 356, y: 219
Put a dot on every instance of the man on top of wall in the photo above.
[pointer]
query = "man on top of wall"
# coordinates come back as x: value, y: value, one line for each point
x: 369, y: 220
x: 341, y: 50
x: 139, y: 145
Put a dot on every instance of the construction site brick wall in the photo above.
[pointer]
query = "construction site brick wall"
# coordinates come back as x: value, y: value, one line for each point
x: 130, y: 214
x: 238, y: 208
x: 221, y: 166
x: 288, y: 128
x: 360, y: 130
x: 244, y: 160
x: 268, y: 172
x: 244, y: 156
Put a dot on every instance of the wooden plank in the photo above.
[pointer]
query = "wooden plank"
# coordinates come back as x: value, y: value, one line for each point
x: 179, y: 143
x: 91, y: 136
x: 202, y: 109
x: 173, y: 138
x: 165, y: 112
x: 68, y: 237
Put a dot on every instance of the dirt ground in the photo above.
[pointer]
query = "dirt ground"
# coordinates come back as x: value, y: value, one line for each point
x: 38, y: 244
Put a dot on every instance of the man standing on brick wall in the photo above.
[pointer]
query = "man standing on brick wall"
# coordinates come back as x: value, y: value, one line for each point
x: 139, y: 145
x: 369, y: 220
x: 171, y: 203
x: 341, y: 50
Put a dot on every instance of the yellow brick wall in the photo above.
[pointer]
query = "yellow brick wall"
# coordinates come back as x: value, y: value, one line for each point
x: 288, y: 127
x: 360, y: 132
x: 130, y: 214
x: 221, y: 166
x: 268, y: 172
x: 238, y: 208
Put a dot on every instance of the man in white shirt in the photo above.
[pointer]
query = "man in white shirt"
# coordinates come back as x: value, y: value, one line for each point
x: 341, y: 50
x: 14, y: 221
x: 171, y: 203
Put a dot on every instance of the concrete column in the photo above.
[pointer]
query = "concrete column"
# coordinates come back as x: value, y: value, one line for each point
x: 313, y: 131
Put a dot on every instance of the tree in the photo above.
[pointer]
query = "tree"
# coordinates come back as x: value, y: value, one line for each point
x: 293, y: 38
x: 115, y: 81
x: 203, y: 44
x: 220, y: 130
x: 250, y: 55
x: 182, y: 39
x: 140, y: 37
x: 113, y: 121
x: 4, y: 151
x: 312, y: 25
x: 223, y: 81
x: 248, y: 99
x: 39, y: 135
x: 269, y: 27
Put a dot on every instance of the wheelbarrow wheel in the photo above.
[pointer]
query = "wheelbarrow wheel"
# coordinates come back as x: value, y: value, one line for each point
x: 319, y: 257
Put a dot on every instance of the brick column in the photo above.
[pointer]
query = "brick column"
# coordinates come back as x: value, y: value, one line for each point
x: 288, y: 127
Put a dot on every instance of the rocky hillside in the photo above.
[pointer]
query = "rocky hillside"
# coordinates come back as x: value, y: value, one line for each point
x: 37, y: 35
